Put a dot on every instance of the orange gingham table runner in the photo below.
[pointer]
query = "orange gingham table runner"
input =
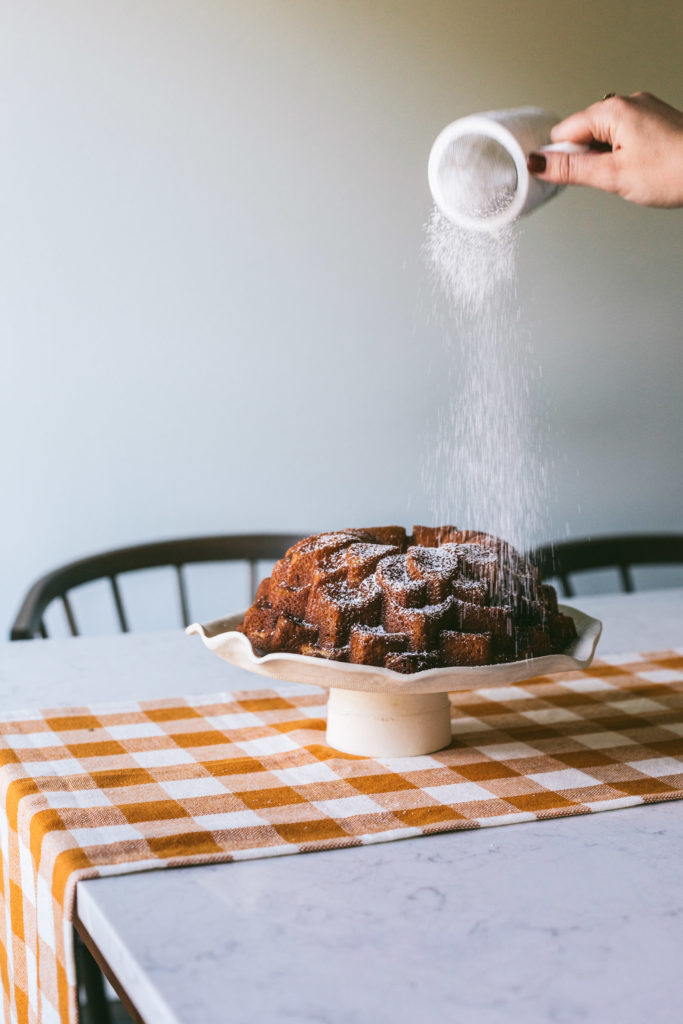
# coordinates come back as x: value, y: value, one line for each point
x: 131, y: 786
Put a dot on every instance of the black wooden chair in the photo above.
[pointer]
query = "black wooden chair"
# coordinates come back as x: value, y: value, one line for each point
x: 623, y: 553
x: 110, y: 565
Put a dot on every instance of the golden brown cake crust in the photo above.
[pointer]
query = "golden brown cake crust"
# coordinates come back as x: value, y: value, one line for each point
x: 377, y: 596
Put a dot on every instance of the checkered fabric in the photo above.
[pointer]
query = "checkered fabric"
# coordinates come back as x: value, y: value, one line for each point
x: 136, y: 786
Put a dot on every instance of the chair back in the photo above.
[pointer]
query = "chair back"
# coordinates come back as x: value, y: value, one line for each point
x: 621, y: 553
x: 110, y: 565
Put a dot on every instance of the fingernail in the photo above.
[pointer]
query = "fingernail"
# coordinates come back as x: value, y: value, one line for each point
x: 536, y: 163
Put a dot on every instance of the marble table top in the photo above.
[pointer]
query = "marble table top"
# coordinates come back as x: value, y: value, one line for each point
x: 565, y: 920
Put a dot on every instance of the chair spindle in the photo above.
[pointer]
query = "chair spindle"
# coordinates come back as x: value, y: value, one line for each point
x: 120, y: 610
x: 182, y: 591
x: 567, y: 588
x: 626, y: 578
x: 70, y: 618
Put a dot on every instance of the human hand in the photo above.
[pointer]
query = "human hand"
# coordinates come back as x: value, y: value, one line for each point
x: 636, y: 150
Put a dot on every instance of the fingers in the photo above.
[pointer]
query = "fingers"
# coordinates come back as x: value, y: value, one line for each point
x: 596, y: 122
x: 636, y: 147
x: 576, y: 128
x: 597, y: 170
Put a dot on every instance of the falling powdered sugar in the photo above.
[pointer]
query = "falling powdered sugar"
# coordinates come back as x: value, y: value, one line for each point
x: 487, y: 471
x: 475, y: 272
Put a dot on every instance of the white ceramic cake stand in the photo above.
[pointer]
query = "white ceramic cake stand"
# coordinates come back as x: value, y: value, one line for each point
x: 376, y: 712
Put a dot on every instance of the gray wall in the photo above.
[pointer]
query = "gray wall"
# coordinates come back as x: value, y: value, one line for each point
x: 214, y: 316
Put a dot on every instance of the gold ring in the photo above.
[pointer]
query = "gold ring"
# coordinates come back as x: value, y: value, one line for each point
x: 608, y: 96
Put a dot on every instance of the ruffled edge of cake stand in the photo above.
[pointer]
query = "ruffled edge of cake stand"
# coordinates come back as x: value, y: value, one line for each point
x: 222, y: 637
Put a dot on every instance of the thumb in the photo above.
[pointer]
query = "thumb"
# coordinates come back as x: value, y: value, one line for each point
x: 596, y: 170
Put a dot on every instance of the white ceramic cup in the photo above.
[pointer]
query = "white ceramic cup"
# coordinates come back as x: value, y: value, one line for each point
x: 518, y: 131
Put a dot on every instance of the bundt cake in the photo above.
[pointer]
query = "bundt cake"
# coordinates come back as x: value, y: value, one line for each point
x: 376, y: 596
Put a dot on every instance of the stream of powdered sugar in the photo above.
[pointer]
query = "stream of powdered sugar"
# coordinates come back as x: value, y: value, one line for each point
x: 487, y: 470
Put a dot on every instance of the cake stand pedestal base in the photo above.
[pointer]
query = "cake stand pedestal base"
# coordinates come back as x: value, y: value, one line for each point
x: 384, y: 725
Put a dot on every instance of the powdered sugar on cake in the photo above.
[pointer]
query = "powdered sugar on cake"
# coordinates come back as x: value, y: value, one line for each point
x: 435, y: 598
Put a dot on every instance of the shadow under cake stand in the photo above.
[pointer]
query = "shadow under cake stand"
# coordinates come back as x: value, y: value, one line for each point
x: 375, y: 712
